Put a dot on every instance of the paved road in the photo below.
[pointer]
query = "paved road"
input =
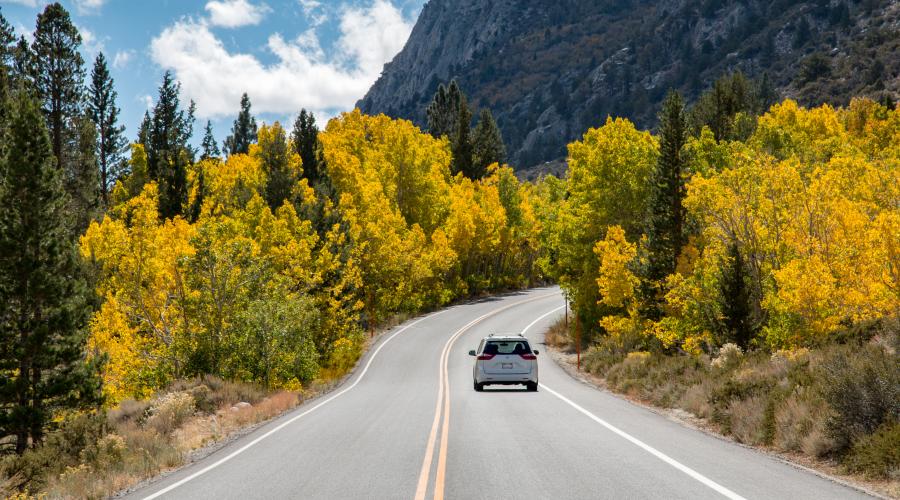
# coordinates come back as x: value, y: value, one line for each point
x: 385, y: 433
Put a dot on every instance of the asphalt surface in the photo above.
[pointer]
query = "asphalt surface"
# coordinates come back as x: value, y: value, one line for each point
x: 384, y: 433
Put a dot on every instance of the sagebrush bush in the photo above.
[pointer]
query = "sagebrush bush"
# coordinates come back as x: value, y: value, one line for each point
x: 170, y: 411
x: 795, y: 418
x: 877, y: 455
x: 747, y: 418
x: 863, y: 391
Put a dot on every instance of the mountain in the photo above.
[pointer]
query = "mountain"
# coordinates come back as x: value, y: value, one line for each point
x: 551, y: 69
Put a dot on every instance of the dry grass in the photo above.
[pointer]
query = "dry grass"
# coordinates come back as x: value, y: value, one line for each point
x: 824, y: 403
x: 557, y: 336
x: 95, y: 457
x: 748, y: 419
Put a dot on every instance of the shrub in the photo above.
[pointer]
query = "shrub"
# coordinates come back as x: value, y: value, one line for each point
x: 170, y: 411
x: 729, y: 356
x: 877, y: 455
x: 863, y: 389
x: 128, y: 410
x: 796, y: 418
x: 748, y: 420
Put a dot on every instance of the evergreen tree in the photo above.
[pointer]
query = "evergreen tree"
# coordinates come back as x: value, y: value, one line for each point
x: 45, y: 308
x: 144, y: 130
x: 58, y: 74
x: 461, y: 143
x: 487, y: 144
x: 717, y: 108
x: 243, y: 132
x: 305, y: 140
x: 735, y: 300
x: 665, y: 222
x: 443, y: 112
x: 7, y: 62
x: 209, y: 148
x: 196, y: 207
x: 275, y: 157
x: 167, y: 148
x: 7, y: 42
x: 111, y: 142
x: 83, y: 178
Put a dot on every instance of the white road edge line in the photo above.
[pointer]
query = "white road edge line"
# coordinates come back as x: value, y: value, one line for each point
x: 646, y: 447
x: 293, y: 419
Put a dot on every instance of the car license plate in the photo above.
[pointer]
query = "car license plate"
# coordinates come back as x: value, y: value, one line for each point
x: 506, y: 366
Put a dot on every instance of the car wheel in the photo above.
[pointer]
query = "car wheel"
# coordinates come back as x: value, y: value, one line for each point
x: 532, y: 386
x: 478, y: 387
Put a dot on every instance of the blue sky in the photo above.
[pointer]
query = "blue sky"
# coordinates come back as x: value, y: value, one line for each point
x: 286, y: 54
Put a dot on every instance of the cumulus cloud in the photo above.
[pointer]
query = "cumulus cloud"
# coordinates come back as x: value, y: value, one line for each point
x: 300, y: 76
x: 89, y: 6
x: 235, y: 13
x: 89, y: 41
x: 27, y: 3
x: 122, y: 58
x: 313, y: 11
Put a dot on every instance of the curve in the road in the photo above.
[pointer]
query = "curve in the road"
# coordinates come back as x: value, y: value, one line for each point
x: 292, y: 419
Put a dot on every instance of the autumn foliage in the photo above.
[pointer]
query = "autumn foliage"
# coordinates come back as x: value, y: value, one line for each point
x: 809, y: 203
x: 276, y: 297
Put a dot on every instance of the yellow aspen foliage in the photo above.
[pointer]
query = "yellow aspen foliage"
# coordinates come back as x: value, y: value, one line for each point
x: 143, y: 274
x: 616, y: 281
x: 609, y: 170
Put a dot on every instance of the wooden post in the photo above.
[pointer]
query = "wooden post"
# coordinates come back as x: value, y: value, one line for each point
x: 578, y: 341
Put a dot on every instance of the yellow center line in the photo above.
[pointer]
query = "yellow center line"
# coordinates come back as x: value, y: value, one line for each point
x: 443, y: 402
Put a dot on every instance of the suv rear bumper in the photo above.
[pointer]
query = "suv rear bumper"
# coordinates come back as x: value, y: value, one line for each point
x: 504, y: 379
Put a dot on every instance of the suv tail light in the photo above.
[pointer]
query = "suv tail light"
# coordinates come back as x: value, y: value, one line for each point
x: 528, y: 356
x: 486, y: 357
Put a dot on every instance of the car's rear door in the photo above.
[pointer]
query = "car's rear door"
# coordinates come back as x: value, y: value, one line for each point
x: 502, y: 357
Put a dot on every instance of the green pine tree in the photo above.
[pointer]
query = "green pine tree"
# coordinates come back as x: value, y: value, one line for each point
x: 144, y: 130
x: 276, y: 163
x: 443, y: 112
x: 487, y: 144
x: 83, y: 178
x: 111, y: 142
x: 196, y: 207
x: 58, y: 74
x: 737, y: 320
x: 209, y: 148
x: 461, y: 143
x: 45, y: 307
x: 305, y: 140
x: 665, y: 221
x: 168, y: 152
x: 243, y: 132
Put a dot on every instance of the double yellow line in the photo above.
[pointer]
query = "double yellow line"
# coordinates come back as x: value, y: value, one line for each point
x: 443, y: 403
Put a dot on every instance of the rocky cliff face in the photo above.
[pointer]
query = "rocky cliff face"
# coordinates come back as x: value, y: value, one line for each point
x: 551, y: 69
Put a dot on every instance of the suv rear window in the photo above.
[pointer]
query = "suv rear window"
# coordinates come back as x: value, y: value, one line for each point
x: 507, y: 347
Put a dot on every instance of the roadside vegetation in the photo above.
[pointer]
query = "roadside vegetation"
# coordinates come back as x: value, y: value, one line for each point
x: 836, y: 404
x: 156, y: 297
x: 745, y: 269
x: 96, y: 454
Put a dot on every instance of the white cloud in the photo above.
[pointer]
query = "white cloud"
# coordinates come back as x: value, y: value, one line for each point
x: 313, y: 11
x: 147, y: 100
x: 122, y: 58
x: 89, y: 41
x: 27, y: 3
x: 88, y: 6
x: 235, y: 13
x: 300, y: 77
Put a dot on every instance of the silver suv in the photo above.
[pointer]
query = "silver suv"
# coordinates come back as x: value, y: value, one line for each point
x: 505, y: 360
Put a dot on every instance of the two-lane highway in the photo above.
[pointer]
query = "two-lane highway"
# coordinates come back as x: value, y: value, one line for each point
x: 408, y: 424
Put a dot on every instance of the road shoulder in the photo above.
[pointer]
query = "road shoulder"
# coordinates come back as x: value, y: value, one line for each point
x: 825, y: 470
